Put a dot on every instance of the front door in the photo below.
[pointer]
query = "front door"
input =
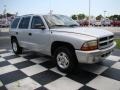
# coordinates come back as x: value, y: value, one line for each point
x: 40, y: 38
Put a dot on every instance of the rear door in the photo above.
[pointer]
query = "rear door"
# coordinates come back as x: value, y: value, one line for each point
x: 23, y: 35
x: 13, y: 27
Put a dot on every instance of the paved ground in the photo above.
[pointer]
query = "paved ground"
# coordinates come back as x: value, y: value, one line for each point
x: 31, y: 71
x: 34, y: 71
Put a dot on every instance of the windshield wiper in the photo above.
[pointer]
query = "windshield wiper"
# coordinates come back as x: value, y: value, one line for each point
x: 58, y: 26
x: 72, y: 25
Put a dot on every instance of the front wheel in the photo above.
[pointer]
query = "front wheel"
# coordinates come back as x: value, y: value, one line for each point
x: 65, y: 59
x: 15, y: 46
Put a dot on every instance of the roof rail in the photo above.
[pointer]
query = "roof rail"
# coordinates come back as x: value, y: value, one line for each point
x: 27, y: 14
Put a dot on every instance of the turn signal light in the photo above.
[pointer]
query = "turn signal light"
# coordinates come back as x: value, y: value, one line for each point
x: 88, y: 46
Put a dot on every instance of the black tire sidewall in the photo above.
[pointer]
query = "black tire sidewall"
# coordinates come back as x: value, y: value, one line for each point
x: 71, y: 56
x: 19, y: 49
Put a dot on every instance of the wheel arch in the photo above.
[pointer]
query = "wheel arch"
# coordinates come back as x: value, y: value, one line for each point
x: 57, y: 44
x: 13, y: 37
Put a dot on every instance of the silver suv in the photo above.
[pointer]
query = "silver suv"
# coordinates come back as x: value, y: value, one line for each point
x: 61, y: 37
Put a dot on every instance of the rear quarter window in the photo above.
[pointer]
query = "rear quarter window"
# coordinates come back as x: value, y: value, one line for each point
x: 15, y: 23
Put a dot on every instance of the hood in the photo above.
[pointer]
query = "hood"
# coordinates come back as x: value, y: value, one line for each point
x: 86, y: 31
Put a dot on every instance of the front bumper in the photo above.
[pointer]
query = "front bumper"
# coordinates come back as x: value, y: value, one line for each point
x: 94, y: 56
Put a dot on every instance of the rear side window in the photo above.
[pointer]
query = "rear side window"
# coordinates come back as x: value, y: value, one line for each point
x: 15, y: 23
x: 36, y: 20
x: 24, y: 23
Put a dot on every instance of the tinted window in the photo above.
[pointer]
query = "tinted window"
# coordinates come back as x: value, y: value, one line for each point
x: 15, y: 23
x: 24, y: 23
x: 36, y: 20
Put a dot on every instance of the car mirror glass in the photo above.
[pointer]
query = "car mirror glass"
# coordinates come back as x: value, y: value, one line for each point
x: 39, y: 26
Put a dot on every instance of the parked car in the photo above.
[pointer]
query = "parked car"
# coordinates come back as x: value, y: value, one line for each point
x: 115, y: 23
x: 105, y: 22
x: 4, y: 23
x: 93, y: 21
x: 83, y: 22
x: 61, y: 37
x: 98, y: 23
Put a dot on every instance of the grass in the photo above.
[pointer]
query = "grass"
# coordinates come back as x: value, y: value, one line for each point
x: 118, y: 43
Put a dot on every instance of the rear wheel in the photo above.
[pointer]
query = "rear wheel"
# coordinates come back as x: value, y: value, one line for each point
x: 65, y: 59
x: 15, y: 46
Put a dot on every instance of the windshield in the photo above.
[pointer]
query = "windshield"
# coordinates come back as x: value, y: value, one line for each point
x: 54, y: 21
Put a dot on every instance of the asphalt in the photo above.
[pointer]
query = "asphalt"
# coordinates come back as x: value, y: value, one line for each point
x: 4, y: 34
x: 5, y: 40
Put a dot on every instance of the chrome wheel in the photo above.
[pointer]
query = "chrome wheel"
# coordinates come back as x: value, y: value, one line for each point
x: 62, y: 60
x: 14, y: 46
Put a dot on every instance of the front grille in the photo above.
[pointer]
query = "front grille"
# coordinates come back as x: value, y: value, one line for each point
x: 105, y: 42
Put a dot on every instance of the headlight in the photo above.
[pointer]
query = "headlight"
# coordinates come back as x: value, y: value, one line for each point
x: 88, y: 46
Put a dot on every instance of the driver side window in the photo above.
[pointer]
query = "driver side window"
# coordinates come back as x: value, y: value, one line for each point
x: 36, y: 20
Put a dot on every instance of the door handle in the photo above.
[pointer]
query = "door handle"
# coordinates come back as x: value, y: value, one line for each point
x: 16, y: 33
x: 30, y: 34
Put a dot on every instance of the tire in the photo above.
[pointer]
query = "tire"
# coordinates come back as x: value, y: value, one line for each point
x: 15, y: 46
x: 65, y: 59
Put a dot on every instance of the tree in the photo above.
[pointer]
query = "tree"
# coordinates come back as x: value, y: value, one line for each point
x: 81, y: 16
x: 99, y: 17
x: 115, y: 17
x: 9, y: 15
x: 74, y: 17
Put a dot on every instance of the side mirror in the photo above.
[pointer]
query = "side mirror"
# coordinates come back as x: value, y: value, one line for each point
x: 39, y: 26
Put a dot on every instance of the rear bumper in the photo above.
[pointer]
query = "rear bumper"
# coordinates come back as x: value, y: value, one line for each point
x: 94, y: 56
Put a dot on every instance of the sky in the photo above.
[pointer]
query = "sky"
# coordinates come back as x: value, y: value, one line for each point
x: 65, y: 7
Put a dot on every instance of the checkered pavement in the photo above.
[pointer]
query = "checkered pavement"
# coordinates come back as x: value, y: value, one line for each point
x: 34, y: 71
